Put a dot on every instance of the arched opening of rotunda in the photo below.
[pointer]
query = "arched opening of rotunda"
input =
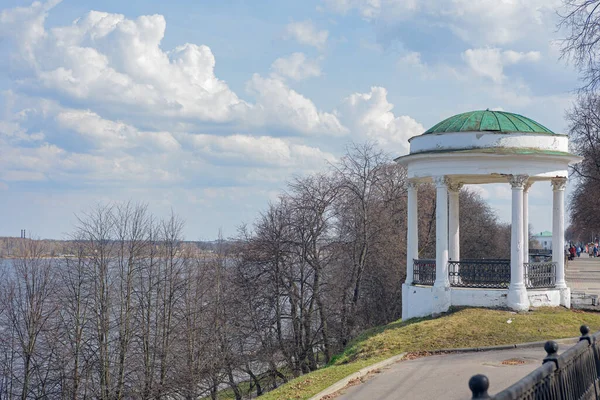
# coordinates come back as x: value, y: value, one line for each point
x: 484, y: 147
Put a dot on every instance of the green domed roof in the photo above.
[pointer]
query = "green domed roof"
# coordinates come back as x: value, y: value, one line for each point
x: 486, y: 120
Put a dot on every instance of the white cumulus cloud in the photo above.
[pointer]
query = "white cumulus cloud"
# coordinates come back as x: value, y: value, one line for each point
x: 117, y: 67
x: 480, y: 22
x: 111, y: 135
x: 413, y: 59
x: 490, y: 62
x: 370, y: 116
x: 500, y: 21
x: 305, y: 32
x: 107, y: 58
x: 122, y: 154
x: 373, y: 9
x: 279, y: 105
x: 261, y: 150
x: 296, y: 66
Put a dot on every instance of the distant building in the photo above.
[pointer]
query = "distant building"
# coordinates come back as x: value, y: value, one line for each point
x: 544, y: 239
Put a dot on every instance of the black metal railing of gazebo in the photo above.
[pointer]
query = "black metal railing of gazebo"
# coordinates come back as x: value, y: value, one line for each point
x: 489, y: 273
x: 479, y: 273
x: 540, y: 274
x: 424, y: 272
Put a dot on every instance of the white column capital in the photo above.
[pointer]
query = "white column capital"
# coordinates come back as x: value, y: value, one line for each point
x: 559, y: 184
x: 440, y: 181
x: 518, y: 181
x: 527, y: 186
x: 411, y: 184
x: 453, y: 186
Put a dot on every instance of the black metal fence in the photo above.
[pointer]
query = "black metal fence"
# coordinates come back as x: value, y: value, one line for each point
x: 424, y: 272
x: 573, y: 374
x: 488, y: 274
x: 540, y: 252
x: 479, y: 273
x: 540, y: 275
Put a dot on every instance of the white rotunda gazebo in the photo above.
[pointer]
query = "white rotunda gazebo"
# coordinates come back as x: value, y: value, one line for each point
x: 482, y: 147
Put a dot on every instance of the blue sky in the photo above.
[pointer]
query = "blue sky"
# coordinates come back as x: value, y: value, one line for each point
x: 208, y: 107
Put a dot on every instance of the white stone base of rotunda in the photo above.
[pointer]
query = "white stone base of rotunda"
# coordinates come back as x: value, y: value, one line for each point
x: 442, y: 299
x: 517, y: 297
x: 565, y: 296
x: 422, y: 301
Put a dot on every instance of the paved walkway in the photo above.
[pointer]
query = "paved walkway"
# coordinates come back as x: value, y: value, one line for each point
x: 583, y: 275
x: 447, y: 376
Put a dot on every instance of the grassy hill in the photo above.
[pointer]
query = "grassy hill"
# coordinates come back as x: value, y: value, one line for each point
x: 470, y: 327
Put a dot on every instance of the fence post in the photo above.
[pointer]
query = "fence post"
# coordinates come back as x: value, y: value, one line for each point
x: 585, y: 334
x: 479, y: 385
x: 551, y: 348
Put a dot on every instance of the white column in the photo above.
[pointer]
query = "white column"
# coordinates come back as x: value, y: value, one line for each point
x: 526, y: 221
x: 526, y: 228
x: 558, y: 231
x: 517, y: 292
x: 453, y: 221
x: 441, y: 233
x: 412, y: 236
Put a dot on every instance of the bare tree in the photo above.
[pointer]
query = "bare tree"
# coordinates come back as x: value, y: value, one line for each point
x: 481, y: 234
x: 381, y: 291
x: 583, y: 206
x: 147, y: 289
x: 264, y: 285
x: 74, y: 321
x: 313, y: 222
x: 581, y: 19
x: 359, y: 175
x: 130, y: 224
x: 96, y: 231
x: 196, y: 335
x: 584, y: 135
x: 27, y: 298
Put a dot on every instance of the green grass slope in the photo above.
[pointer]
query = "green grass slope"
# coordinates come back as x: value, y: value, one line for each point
x: 470, y: 327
